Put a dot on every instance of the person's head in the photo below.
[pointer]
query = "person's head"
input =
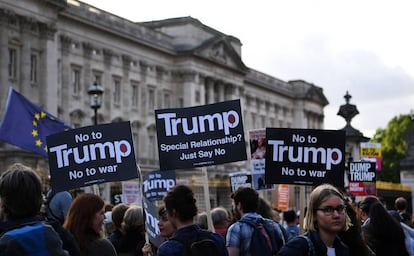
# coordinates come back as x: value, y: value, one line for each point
x: 220, y: 215
x: 201, y: 220
x: 133, y: 219
x: 326, y: 210
x: 118, y: 213
x: 245, y: 200
x: 264, y: 209
x: 20, y: 192
x: 85, y: 218
x: 57, y: 205
x: 290, y: 217
x: 401, y: 204
x: 165, y: 226
x: 180, y: 204
x: 365, y: 206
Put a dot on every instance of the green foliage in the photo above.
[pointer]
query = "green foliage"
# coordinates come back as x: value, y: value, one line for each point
x: 393, y: 141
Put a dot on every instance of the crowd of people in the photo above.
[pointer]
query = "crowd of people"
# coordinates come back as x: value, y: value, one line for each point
x: 332, y: 225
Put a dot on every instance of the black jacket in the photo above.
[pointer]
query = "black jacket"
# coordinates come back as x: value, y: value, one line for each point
x: 298, y: 246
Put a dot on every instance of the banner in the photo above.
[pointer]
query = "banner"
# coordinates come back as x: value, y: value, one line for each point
x: 283, y: 197
x: 156, y: 184
x: 258, y: 159
x: 240, y: 179
x: 91, y: 155
x: 362, y: 178
x: 305, y: 156
x: 371, y: 152
x: 200, y: 136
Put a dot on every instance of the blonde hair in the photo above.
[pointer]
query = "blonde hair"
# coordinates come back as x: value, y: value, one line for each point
x: 317, y: 197
x: 133, y: 218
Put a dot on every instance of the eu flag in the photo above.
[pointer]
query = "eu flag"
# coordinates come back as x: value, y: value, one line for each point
x: 26, y: 125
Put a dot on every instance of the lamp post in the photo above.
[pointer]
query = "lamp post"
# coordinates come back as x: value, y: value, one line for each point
x: 95, y: 93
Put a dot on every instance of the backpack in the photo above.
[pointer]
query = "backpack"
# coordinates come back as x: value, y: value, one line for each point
x: 264, y: 237
x: 199, y: 245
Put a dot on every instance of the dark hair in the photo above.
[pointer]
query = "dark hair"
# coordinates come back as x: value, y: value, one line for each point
x: 290, y: 216
x: 118, y: 213
x: 384, y: 234
x: 401, y: 203
x: 264, y: 209
x: 366, y: 203
x: 247, y: 197
x: 20, y: 192
x: 352, y: 237
x: 181, y: 199
x: 80, y: 218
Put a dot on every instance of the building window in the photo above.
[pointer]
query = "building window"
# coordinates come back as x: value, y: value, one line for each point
x: 12, y: 65
x: 197, y: 97
x: 117, y: 91
x: 151, y: 147
x: 135, y: 95
x: 151, y: 99
x: 167, y: 100
x: 33, y: 68
x: 75, y: 80
x: 97, y: 77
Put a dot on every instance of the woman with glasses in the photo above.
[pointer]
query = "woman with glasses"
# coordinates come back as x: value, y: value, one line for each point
x: 325, y: 219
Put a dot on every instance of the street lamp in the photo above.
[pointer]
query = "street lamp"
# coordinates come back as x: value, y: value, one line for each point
x: 95, y: 93
x: 95, y: 99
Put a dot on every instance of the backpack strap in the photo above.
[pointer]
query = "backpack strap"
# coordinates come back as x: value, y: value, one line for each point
x: 311, y: 247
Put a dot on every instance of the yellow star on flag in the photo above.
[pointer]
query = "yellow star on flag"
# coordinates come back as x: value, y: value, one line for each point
x: 35, y: 133
x: 39, y: 143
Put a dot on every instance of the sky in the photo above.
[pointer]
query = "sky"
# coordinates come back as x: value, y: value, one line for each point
x: 363, y: 47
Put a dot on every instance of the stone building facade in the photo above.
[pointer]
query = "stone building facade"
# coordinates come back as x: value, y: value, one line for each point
x: 53, y: 50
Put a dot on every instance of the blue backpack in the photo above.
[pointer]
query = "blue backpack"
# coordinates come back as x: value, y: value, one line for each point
x: 265, y: 239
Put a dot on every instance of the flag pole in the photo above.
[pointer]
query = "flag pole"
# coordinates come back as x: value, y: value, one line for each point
x: 207, y: 199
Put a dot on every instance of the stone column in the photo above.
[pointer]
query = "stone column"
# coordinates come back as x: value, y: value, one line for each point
x: 65, y: 93
x: 4, y: 52
x: 49, y: 91
x: 210, y: 90
x: 26, y: 52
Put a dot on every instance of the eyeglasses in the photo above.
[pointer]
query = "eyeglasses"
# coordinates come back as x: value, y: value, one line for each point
x: 329, y: 210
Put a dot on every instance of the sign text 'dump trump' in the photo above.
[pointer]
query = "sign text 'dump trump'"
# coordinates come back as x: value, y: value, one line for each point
x: 200, y: 136
x: 305, y: 156
x: 91, y: 155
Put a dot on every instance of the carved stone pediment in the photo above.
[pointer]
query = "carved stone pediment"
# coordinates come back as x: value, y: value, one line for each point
x: 219, y: 50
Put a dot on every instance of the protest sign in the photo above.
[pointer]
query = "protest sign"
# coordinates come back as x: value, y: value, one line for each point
x: 240, y: 179
x: 305, y: 156
x: 131, y: 193
x: 371, y: 152
x: 200, y: 136
x: 257, y: 140
x: 362, y: 178
x: 156, y: 184
x: 151, y: 223
x: 283, y: 197
x: 91, y: 155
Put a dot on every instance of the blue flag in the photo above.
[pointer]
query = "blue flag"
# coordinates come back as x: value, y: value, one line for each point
x: 26, y: 125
